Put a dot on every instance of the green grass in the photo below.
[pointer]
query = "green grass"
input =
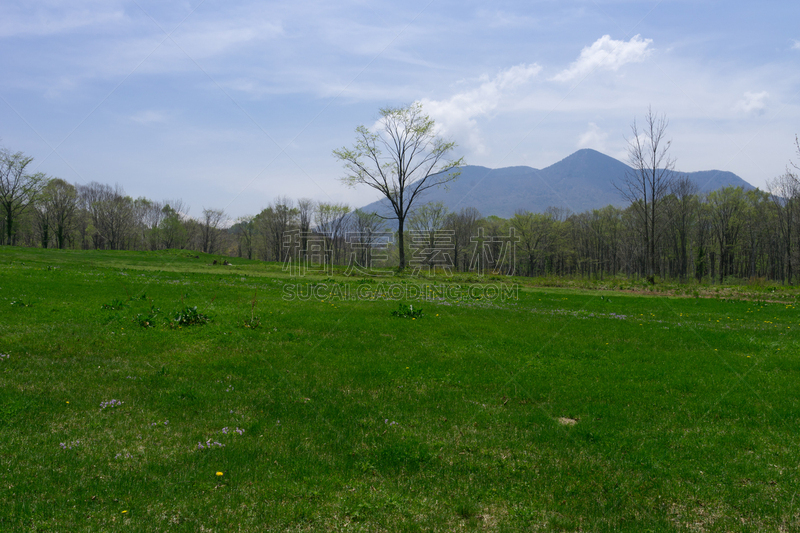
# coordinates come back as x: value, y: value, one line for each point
x: 682, y: 413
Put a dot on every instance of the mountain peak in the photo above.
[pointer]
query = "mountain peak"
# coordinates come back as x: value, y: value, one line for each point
x: 580, y: 182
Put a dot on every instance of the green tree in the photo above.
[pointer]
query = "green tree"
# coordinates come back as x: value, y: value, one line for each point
x: 401, y: 159
x: 245, y: 230
x: 727, y: 206
x: 172, y: 230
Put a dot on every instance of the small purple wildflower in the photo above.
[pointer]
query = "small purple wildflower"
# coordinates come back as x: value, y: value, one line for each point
x: 224, y: 431
x: 209, y: 444
x: 4, y: 356
x: 111, y: 403
x: 239, y: 431
x: 69, y: 446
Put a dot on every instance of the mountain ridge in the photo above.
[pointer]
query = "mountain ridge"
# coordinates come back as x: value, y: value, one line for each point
x: 582, y: 181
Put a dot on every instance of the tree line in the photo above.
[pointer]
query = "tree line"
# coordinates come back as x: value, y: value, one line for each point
x: 669, y: 230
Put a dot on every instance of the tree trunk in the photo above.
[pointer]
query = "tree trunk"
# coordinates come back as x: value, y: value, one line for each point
x: 401, y: 244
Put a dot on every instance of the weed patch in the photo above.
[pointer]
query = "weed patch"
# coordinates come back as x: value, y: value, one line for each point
x: 407, y: 311
x: 189, y: 316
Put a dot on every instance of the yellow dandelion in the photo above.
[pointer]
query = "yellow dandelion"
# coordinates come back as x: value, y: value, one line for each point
x: 219, y: 473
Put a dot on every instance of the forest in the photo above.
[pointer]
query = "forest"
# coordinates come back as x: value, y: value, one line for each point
x: 728, y: 235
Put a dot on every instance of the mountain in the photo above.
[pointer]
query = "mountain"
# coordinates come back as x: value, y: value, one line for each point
x: 581, y: 182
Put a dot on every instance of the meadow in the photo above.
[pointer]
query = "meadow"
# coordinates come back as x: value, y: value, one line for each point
x: 159, y: 391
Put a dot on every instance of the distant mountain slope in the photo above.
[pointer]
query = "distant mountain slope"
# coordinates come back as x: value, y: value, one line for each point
x: 583, y: 181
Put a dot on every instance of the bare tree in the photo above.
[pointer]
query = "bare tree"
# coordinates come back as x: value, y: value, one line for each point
x: 18, y: 188
x: 785, y: 193
x: 464, y: 224
x: 332, y: 221
x: 305, y: 212
x: 727, y: 206
x: 41, y: 219
x: 152, y: 214
x: 649, y: 180
x: 756, y: 221
x: 245, y: 229
x: 427, y: 221
x: 273, y: 223
x: 368, y: 228
x: 682, y: 211
x: 401, y: 160
x: 284, y: 215
x: 533, y: 229
x: 111, y: 211
x: 212, y: 221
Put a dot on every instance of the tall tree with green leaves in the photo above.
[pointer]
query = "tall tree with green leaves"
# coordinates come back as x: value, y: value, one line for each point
x: 402, y: 157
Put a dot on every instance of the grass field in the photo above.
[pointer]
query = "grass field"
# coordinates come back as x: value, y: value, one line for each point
x: 160, y: 392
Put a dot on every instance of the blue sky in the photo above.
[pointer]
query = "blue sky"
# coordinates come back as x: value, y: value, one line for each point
x: 231, y: 104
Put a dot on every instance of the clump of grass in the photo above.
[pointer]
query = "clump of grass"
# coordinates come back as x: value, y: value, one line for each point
x: 254, y: 321
x: 407, y: 311
x: 115, y: 305
x: 466, y: 509
x: 148, y: 320
x: 190, y: 316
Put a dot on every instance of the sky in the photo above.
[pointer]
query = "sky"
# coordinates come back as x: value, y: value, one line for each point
x: 229, y: 105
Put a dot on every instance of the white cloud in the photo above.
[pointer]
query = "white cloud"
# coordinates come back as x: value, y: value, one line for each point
x: 456, y: 116
x: 753, y: 103
x: 795, y: 44
x: 213, y: 38
x: 594, y: 138
x: 50, y: 18
x: 149, y: 117
x: 606, y: 54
